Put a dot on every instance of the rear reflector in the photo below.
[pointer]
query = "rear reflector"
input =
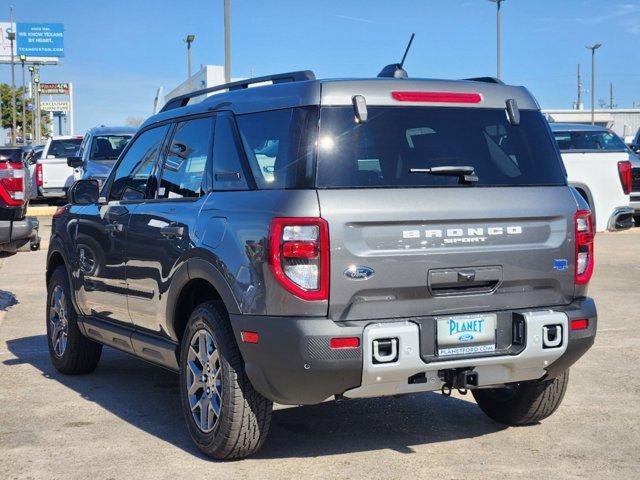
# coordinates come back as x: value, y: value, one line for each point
x: 344, y: 342
x: 580, y: 324
x: 437, y: 97
x: 249, y: 337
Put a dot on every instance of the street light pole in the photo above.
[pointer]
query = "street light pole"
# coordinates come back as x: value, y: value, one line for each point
x: 12, y: 37
x: 498, y: 37
x: 593, y: 49
x: 23, y: 59
x: 227, y: 42
x: 189, y: 40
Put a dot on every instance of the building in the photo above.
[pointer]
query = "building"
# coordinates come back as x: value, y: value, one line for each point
x: 623, y: 121
x: 207, y: 76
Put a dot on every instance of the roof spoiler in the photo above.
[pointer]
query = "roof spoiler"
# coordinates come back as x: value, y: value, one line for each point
x: 485, y: 80
x: 183, y: 100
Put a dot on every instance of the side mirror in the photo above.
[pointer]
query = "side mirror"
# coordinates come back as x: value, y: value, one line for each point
x: 84, y: 192
x: 74, y: 162
x: 636, y: 148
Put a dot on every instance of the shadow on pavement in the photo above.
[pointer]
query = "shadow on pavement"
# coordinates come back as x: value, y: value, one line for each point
x: 7, y: 300
x: 147, y: 397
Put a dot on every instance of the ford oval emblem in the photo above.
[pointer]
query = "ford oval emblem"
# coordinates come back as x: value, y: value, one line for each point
x: 358, y: 272
x: 465, y: 337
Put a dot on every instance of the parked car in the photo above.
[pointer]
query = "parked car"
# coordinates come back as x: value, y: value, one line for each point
x: 599, y: 166
x: 99, y: 151
x: 53, y: 175
x: 16, y: 230
x: 635, y: 143
x: 409, y: 235
x: 32, y: 154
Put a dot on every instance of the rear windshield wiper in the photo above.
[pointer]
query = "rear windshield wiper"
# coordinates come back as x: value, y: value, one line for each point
x: 465, y: 174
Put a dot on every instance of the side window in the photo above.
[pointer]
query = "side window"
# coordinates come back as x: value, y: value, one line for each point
x: 280, y: 146
x: 227, y: 166
x: 184, y: 167
x: 131, y: 180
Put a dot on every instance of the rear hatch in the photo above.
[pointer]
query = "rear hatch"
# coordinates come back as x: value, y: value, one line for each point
x: 409, y: 243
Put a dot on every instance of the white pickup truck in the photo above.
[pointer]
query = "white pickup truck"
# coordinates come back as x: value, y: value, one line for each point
x: 53, y: 175
x: 598, y: 165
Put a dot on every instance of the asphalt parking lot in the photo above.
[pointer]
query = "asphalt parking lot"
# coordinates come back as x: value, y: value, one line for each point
x: 124, y: 420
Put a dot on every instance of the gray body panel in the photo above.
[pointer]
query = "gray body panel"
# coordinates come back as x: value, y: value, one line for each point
x: 366, y: 229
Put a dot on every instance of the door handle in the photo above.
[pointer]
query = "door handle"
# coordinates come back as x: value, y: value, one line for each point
x: 114, y: 228
x: 172, y: 231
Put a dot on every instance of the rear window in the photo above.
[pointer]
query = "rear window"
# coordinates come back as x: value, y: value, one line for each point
x: 64, y: 148
x: 382, y: 151
x: 280, y: 146
x: 597, y: 140
x: 12, y: 155
x: 108, y: 147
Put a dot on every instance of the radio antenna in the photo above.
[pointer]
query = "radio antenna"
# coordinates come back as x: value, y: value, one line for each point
x: 395, y: 70
x: 407, y: 50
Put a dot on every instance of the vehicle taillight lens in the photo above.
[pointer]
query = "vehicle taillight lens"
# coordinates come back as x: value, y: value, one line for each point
x: 584, y: 246
x: 39, y: 174
x: 12, y: 183
x: 624, y: 170
x: 299, y: 256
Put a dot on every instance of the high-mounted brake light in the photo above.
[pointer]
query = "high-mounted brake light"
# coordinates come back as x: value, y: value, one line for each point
x: 437, y: 97
x: 624, y: 170
x: 12, y: 183
x: 299, y: 256
x: 584, y: 234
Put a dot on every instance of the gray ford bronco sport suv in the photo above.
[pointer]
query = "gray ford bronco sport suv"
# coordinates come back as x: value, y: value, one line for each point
x: 315, y: 239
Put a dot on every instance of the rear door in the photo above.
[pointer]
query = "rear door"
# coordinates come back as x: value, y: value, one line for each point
x: 56, y: 174
x: 412, y: 244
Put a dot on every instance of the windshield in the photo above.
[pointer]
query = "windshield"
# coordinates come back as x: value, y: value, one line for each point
x: 597, y: 140
x: 108, y: 147
x: 64, y: 148
x: 382, y: 151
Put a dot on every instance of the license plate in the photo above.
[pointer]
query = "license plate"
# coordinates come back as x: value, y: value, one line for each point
x: 466, y: 334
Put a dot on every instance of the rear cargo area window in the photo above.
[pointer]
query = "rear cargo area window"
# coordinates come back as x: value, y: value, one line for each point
x: 382, y: 151
x: 280, y: 146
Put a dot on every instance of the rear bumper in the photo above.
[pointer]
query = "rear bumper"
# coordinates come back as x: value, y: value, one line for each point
x: 621, y: 218
x: 293, y: 364
x: 17, y: 233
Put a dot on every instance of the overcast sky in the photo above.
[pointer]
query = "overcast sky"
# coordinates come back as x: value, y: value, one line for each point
x: 118, y: 52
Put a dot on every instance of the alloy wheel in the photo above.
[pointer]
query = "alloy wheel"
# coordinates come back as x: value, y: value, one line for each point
x: 58, y: 321
x: 204, y: 381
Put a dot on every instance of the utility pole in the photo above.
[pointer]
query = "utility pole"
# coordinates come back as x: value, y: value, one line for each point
x: 36, y: 95
x: 579, y: 101
x: 189, y: 40
x: 593, y: 49
x: 227, y: 41
x: 33, y: 104
x: 498, y: 37
x: 612, y: 103
x: 12, y: 38
x: 23, y: 59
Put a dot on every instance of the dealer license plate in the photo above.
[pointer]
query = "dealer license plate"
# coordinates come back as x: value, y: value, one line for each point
x: 466, y: 334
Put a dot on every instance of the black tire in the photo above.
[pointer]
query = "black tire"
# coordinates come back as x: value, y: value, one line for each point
x: 244, y: 414
x: 80, y: 355
x: 524, y: 403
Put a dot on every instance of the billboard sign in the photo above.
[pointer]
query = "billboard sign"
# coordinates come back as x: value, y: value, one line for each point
x: 55, y: 106
x: 54, y: 88
x: 40, y: 39
x: 5, y: 44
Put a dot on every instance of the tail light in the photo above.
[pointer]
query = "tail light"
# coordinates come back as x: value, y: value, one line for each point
x: 12, y: 183
x: 624, y: 170
x: 299, y: 256
x: 39, y: 174
x: 584, y: 247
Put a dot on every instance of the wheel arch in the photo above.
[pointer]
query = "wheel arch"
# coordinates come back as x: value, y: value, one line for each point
x: 197, y: 281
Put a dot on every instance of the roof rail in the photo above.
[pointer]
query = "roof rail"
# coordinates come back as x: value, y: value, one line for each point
x: 486, y: 80
x: 183, y: 100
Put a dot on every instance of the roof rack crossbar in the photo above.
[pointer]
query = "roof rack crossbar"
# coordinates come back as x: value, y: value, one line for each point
x: 182, y: 100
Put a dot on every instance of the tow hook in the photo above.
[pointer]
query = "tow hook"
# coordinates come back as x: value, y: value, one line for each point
x: 459, y: 378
